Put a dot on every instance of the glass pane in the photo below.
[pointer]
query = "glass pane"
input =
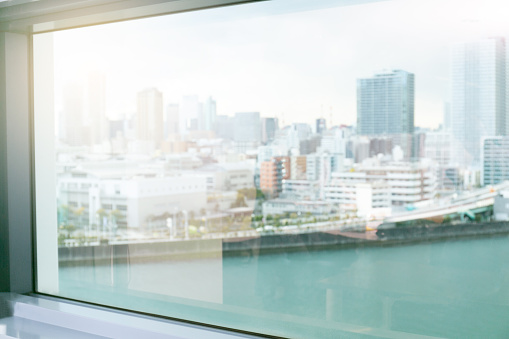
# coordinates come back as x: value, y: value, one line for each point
x: 298, y: 169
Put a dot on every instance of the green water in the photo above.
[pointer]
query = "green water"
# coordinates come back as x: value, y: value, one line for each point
x: 456, y: 289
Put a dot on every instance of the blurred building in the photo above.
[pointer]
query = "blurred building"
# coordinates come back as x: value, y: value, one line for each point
x: 494, y: 160
x: 269, y: 129
x: 272, y: 175
x: 149, y: 117
x: 385, y: 106
x: 478, y: 97
x: 408, y: 182
x: 247, y: 131
x: 321, y: 125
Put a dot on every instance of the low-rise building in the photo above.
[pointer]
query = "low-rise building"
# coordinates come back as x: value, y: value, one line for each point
x: 408, y: 182
x: 282, y: 206
x: 301, y: 189
x: 127, y: 196
x: 367, y: 199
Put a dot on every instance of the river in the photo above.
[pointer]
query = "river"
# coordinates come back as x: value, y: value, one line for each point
x: 441, y: 289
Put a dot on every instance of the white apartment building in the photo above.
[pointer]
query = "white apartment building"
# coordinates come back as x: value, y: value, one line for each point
x: 320, y: 166
x: 137, y: 200
x: 301, y: 189
x: 408, y: 182
x: 369, y: 199
x: 334, y: 142
x: 227, y: 176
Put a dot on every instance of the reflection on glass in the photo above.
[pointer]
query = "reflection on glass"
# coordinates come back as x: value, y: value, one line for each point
x: 294, y: 171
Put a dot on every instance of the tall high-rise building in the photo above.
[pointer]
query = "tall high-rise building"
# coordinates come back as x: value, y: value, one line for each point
x: 247, y: 127
x: 190, y: 113
x: 247, y: 132
x: 478, y: 102
x: 96, y: 107
x: 321, y: 125
x: 83, y: 120
x: 224, y: 126
x: 149, y: 117
x: 171, y: 124
x: 208, y: 121
x: 269, y: 128
x: 73, y: 130
x: 385, y: 104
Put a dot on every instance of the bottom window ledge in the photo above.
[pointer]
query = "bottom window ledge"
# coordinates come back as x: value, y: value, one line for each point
x: 50, y: 317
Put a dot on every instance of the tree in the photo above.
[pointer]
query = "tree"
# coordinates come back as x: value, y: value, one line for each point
x: 260, y: 195
x: 239, y: 202
x: 249, y: 193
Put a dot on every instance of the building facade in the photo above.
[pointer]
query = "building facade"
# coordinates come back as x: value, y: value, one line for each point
x: 149, y: 116
x: 272, y: 175
x: 366, y: 199
x: 408, y: 182
x: 494, y: 160
x: 478, y: 102
x: 385, y: 104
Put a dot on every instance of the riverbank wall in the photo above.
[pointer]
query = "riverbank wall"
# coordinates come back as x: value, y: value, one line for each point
x: 272, y: 243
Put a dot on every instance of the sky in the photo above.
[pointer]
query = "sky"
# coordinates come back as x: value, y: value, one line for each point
x: 295, y: 60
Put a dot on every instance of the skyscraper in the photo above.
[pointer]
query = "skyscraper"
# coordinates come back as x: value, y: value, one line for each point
x: 149, y: 117
x: 96, y: 107
x: 247, y: 127
x: 269, y: 128
x: 190, y: 113
x: 494, y: 162
x: 478, y: 102
x: 385, y: 104
x: 83, y: 121
x: 171, y: 125
x: 247, y: 132
x: 321, y: 125
x: 209, y: 115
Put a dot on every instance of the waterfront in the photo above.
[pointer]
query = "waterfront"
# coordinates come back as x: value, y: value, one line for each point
x: 444, y: 289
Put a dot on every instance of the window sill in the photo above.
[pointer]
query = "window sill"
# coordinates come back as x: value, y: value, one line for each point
x: 22, y: 316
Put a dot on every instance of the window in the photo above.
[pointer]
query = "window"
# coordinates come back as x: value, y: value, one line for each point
x: 365, y: 95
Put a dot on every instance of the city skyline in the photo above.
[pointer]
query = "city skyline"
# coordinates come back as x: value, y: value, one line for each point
x: 308, y: 70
